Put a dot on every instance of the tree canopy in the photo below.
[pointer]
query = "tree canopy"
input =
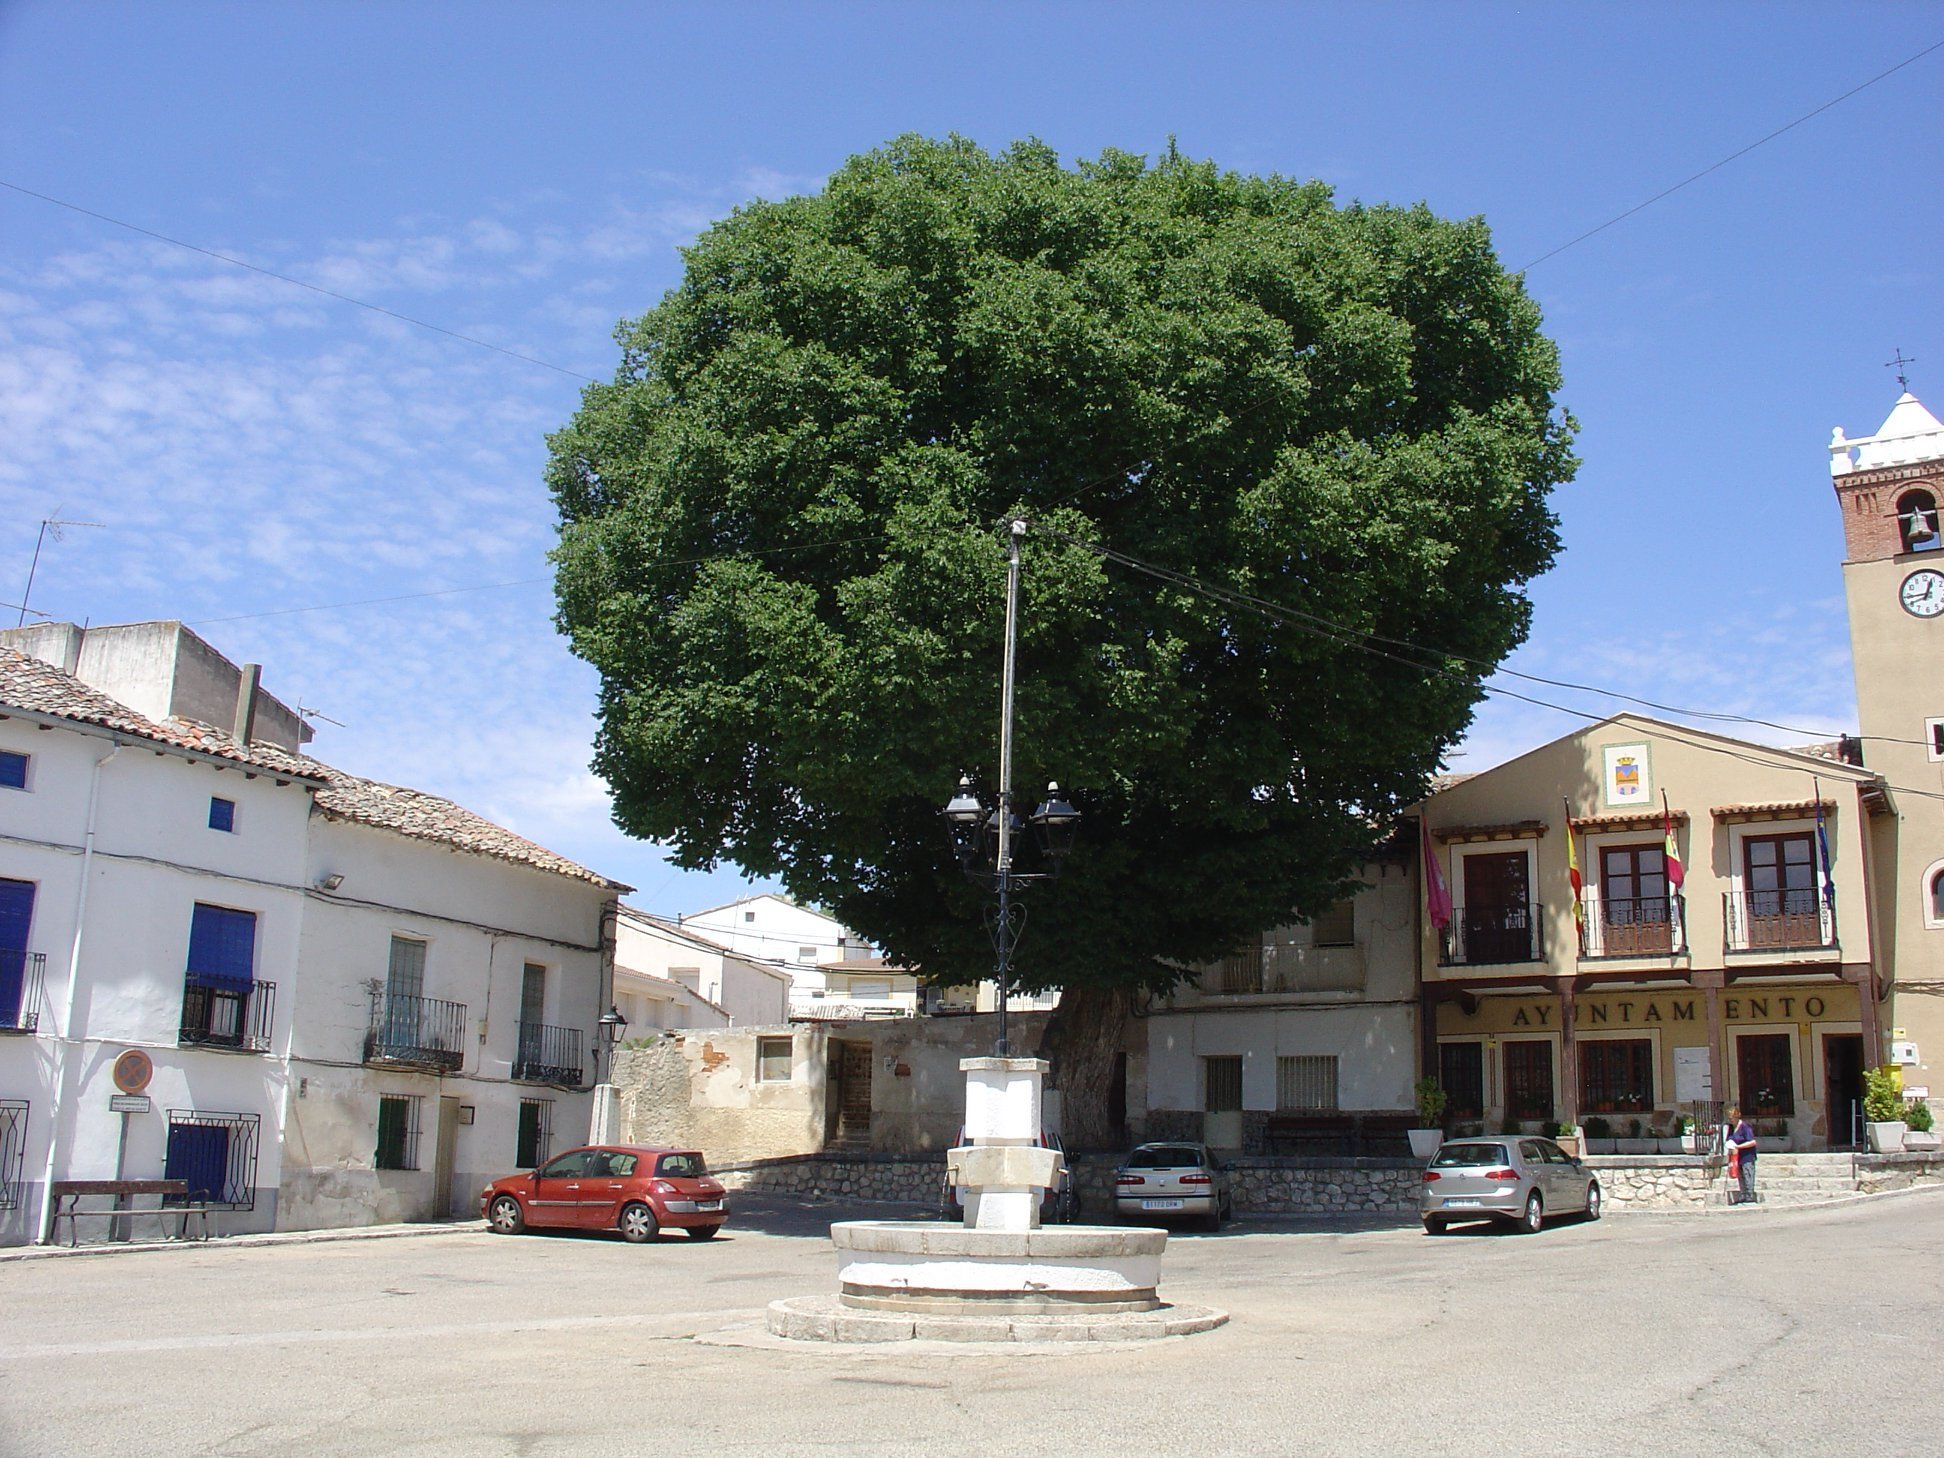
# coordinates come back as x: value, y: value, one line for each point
x: 783, y: 537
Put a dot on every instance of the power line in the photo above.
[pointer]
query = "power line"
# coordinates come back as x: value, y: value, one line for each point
x: 1323, y: 628
x: 1732, y: 156
x: 300, y: 283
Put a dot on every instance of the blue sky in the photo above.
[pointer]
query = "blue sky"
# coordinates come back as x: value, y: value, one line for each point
x: 526, y: 174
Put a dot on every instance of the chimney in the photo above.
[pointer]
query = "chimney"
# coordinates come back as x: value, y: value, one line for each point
x: 246, y: 701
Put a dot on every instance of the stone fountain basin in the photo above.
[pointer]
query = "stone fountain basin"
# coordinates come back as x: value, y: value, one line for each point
x: 923, y: 1266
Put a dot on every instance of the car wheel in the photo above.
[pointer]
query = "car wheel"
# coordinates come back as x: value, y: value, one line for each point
x: 638, y: 1223
x: 505, y: 1216
x: 1535, y: 1215
x: 703, y: 1232
x: 1435, y: 1227
x: 1593, y: 1200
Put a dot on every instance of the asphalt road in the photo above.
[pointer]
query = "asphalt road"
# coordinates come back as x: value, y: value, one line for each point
x: 1783, y: 1332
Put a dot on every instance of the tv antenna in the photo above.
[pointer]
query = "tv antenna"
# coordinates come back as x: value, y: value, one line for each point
x: 51, y: 526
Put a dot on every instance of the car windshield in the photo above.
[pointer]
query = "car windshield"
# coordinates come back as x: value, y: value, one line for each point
x: 1164, y: 1156
x: 1469, y: 1154
x: 681, y: 1167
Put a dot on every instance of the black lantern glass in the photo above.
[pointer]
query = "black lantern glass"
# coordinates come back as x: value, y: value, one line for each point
x: 1056, y: 824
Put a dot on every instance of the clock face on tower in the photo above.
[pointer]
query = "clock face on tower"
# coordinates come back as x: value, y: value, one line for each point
x: 1922, y: 593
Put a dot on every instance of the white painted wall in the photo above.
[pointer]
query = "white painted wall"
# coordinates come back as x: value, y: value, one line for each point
x: 727, y: 987
x: 776, y: 930
x: 315, y: 1100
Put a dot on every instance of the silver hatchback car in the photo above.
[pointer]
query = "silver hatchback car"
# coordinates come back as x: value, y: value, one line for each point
x: 1174, y: 1179
x: 1514, y: 1178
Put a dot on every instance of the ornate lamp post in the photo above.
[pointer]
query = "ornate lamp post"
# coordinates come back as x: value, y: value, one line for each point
x: 975, y: 824
x: 612, y: 1026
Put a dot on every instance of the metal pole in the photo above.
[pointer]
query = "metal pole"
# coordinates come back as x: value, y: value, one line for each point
x: 1003, y: 929
x: 26, y: 596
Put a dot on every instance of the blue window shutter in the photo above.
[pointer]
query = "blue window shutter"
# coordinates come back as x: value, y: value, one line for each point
x: 222, y: 948
x: 222, y: 813
x: 16, y: 920
x: 13, y: 770
x: 199, y: 1155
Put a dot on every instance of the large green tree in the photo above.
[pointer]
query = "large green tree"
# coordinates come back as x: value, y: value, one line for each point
x: 782, y: 540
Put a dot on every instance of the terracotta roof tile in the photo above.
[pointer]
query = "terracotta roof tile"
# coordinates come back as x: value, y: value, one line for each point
x: 428, y: 817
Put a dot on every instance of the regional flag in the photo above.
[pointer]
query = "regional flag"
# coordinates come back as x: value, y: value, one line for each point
x: 1676, y: 873
x: 1572, y: 867
x: 1437, y: 896
x: 1822, y: 843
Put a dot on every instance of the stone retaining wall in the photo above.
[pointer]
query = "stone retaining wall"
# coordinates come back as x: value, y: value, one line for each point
x: 1654, y: 1182
x: 1876, y: 1173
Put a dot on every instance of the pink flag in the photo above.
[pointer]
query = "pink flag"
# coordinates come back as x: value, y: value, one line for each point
x: 1437, y: 896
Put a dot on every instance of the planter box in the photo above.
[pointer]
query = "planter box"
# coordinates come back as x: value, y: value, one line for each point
x: 1886, y: 1138
x: 1636, y: 1146
x: 1424, y: 1142
x: 1674, y: 1145
x: 1600, y: 1146
x: 1691, y: 1143
x: 1915, y: 1142
x: 1570, y: 1143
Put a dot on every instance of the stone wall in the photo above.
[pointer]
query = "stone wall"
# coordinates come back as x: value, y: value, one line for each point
x: 1655, y: 1182
x: 1876, y: 1173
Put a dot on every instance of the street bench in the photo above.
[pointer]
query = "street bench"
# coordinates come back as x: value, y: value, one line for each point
x: 68, y: 1195
x: 1374, y: 1133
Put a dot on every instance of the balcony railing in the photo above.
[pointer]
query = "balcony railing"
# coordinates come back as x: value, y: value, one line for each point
x: 227, y: 1015
x: 1282, y: 967
x: 549, y: 1055
x: 1482, y: 936
x: 1634, y: 926
x: 1778, y: 921
x: 22, y: 975
x: 421, y: 1032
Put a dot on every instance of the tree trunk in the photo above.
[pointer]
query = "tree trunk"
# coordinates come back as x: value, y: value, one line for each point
x: 1084, y: 1040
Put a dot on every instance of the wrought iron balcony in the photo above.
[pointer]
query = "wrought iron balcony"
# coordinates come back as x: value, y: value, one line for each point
x: 1482, y: 936
x: 22, y: 976
x: 416, y: 1032
x: 548, y: 1054
x: 1634, y: 926
x: 227, y: 1014
x: 1778, y: 921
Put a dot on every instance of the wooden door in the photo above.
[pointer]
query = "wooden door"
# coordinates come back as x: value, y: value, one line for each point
x: 1497, y: 915
x: 1780, y: 885
x: 1843, y: 1086
x: 1766, y: 1073
x: 853, y: 1093
x: 1528, y: 1079
x: 1636, y: 915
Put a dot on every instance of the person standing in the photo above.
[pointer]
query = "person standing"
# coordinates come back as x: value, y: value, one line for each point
x: 1741, y: 1139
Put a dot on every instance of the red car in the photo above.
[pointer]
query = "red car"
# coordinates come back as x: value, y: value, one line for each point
x: 636, y: 1189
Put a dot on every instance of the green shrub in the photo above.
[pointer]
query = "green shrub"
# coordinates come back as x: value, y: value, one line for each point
x: 1430, y: 1103
x: 1598, y: 1128
x: 1918, y: 1115
x: 1883, y: 1101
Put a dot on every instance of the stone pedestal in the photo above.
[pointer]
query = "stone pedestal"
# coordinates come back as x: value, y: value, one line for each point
x: 1003, y: 1111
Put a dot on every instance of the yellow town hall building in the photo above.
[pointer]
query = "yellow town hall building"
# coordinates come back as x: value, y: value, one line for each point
x: 1753, y: 925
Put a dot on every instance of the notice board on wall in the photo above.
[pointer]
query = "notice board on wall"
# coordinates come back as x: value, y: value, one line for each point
x: 1693, y: 1079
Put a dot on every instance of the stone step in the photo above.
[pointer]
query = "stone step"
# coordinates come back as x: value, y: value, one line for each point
x: 1778, y: 1200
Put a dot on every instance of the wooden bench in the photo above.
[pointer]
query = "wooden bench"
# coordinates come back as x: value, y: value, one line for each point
x: 1379, y: 1132
x: 68, y: 1195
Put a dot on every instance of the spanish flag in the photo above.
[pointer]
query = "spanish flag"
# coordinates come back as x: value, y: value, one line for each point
x: 1676, y: 873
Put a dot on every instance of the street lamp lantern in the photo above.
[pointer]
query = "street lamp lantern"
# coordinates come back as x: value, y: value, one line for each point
x: 1056, y: 825
x: 612, y: 1026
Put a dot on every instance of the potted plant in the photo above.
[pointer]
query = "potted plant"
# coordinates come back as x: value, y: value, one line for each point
x: 1920, y: 1133
x: 1690, y: 1135
x: 1883, y: 1109
x: 1429, y: 1134
x: 1636, y: 1140
x: 1599, y: 1135
x: 1568, y: 1137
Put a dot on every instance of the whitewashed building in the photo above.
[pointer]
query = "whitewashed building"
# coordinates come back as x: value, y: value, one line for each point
x: 834, y: 973
x: 667, y: 976
x: 358, y: 1001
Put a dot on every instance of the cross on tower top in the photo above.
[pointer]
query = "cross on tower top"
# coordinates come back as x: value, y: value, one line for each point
x: 1899, y: 363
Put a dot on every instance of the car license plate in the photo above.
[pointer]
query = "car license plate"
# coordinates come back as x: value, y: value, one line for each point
x: 708, y: 1204
x: 1460, y: 1204
x: 1160, y: 1204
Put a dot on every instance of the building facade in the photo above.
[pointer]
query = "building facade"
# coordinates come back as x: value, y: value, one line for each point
x: 666, y: 976
x: 357, y: 1001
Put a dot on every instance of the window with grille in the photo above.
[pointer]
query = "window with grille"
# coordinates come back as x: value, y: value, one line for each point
x: 1306, y: 1082
x: 773, y: 1060
x: 13, y: 1151
x: 215, y: 1154
x: 1616, y: 1075
x: 1336, y: 927
x: 536, y: 1132
x: 398, y: 1133
x: 1222, y: 1084
x: 1461, y: 1072
x: 1766, y: 1067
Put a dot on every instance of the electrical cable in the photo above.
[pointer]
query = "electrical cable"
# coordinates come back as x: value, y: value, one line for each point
x: 1307, y: 623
